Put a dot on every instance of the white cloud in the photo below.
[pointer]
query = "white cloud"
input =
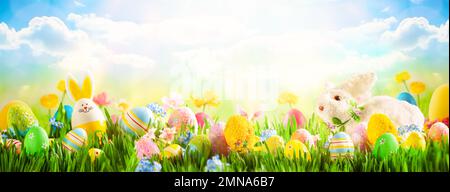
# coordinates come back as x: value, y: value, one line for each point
x: 416, y: 1
x: 8, y: 38
x: 79, y: 3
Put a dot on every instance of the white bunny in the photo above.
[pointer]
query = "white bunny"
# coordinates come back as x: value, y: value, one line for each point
x: 86, y: 113
x: 335, y: 102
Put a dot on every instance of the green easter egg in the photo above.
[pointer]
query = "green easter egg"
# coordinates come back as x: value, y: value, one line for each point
x: 21, y: 117
x: 36, y: 141
x: 201, y: 144
x: 385, y: 145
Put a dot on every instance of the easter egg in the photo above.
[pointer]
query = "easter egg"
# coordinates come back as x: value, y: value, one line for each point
x: 438, y: 108
x: 294, y: 118
x: 405, y: 96
x: 274, y: 144
x: 136, y: 121
x: 414, y: 140
x: 172, y: 150
x: 359, y: 137
x: 303, y: 136
x: 203, y: 119
x: 17, y: 115
x: 239, y: 134
x: 95, y: 153
x: 438, y: 131
x: 216, y: 136
x: 183, y: 118
x: 75, y: 140
x: 341, y: 145
x: 296, y: 149
x: 385, y: 145
x: 14, y: 143
x: 378, y: 125
x: 88, y: 116
x: 36, y: 141
x: 200, y: 144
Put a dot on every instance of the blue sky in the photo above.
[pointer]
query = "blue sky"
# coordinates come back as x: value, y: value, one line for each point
x: 185, y: 46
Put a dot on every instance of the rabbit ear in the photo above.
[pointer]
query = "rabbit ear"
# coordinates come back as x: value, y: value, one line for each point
x: 360, y: 85
x: 88, y: 86
x: 76, y: 92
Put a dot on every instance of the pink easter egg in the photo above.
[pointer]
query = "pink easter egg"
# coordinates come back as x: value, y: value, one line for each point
x: 217, y: 138
x: 438, y: 131
x: 359, y: 137
x: 202, y: 118
x: 14, y: 142
x: 294, y: 117
x: 183, y: 118
x: 304, y: 136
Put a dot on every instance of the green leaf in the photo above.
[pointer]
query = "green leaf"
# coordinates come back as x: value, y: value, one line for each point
x: 336, y: 121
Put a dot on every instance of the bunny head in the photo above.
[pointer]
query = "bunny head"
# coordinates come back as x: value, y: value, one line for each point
x: 87, y: 114
x: 336, y: 101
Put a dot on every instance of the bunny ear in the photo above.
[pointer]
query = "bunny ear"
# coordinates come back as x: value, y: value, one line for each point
x: 360, y: 85
x: 76, y: 92
x: 88, y: 86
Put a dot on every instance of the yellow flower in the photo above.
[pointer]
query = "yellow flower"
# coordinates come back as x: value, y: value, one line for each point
x: 61, y: 86
x: 287, y: 98
x: 198, y: 102
x: 402, y: 76
x: 417, y: 87
x: 211, y: 99
x: 123, y: 106
x: 49, y: 101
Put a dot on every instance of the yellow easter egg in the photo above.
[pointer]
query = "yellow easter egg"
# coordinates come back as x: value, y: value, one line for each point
x: 438, y: 108
x: 378, y: 125
x: 274, y: 144
x: 414, y: 140
x: 95, y: 153
x: 296, y: 149
x: 172, y: 150
x: 239, y: 134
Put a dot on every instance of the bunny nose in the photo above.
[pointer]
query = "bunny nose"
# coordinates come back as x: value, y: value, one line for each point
x: 321, y: 108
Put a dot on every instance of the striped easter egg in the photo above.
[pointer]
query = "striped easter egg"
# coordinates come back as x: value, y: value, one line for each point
x: 341, y: 145
x: 136, y: 121
x: 75, y: 140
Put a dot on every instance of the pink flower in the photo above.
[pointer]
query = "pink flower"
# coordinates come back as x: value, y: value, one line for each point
x: 150, y: 134
x: 115, y: 118
x: 257, y: 114
x: 172, y: 102
x: 146, y: 148
x: 102, y: 99
x: 168, y: 134
x: 359, y: 137
x: 202, y: 118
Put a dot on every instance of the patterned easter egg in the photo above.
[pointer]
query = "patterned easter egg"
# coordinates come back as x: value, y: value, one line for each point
x: 341, y: 145
x: 203, y: 119
x: 415, y: 140
x: 438, y: 108
x: 385, y: 145
x: 183, y: 118
x: 172, y: 150
x: 438, y: 131
x: 137, y: 121
x: 75, y: 140
x: 296, y: 149
x: 239, y: 134
x: 216, y: 136
x: 200, y: 144
x: 17, y: 115
x: 95, y: 153
x: 14, y: 143
x: 274, y: 144
x: 294, y: 118
x: 378, y: 125
x: 36, y: 141
x: 405, y: 96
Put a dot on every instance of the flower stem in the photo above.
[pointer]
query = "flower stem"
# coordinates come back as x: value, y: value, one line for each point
x: 406, y: 86
x: 418, y: 100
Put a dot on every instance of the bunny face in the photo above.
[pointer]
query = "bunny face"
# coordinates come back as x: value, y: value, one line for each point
x: 333, y: 103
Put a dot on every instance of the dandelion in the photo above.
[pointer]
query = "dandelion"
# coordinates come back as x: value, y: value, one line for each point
x: 288, y: 98
x: 146, y: 166
x: 402, y: 77
x: 168, y: 134
x: 417, y: 88
x: 210, y: 98
x: 49, y: 101
x: 102, y: 99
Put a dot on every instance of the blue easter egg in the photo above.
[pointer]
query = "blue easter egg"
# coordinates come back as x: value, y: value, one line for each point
x: 405, y: 96
x: 75, y: 140
x: 136, y: 121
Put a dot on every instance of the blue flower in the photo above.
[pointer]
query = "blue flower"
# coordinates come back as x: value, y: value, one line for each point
x: 56, y: 124
x: 185, y: 138
x: 157, y: 109
x: 146, y: 166
x: 267, y: 134
x: 405, y: 129
x: 214, y: 164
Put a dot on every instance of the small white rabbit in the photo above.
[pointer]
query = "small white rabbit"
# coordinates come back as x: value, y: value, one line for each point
x: 336, y: 102
x: 86, y: 113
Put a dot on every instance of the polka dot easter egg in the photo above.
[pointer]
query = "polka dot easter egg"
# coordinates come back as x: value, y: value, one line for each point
x: 415, y: 140
x: 95, y: 153
x: 438, y: 132
x: 385, y: 145
x: 75, y: 140
x: 173, y: 151
x: 296, y: 149
x: 17, y: 115
x: 274, y: 144
x: 341, y: 146
x: 200, y: 144
x: 36, y: 141
x: 239, y: 134
x: 378, y: 125
x: 294, y: 118
x: 137, y: 121
x: 439, y: 103
x: 183, y: 118
x: 405, y: 96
